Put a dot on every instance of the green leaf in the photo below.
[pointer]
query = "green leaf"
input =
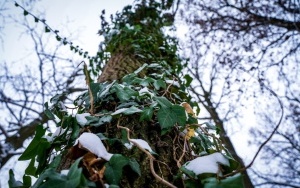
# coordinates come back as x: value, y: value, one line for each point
x: 56, y: 161
x: 74, y: 174
x: 141, y: 68
x: 235, y: 181
x: 146, y: 81
x: 12, y: 181
x: 55, y: 183
x: 127, y: 111
x: 36, y: 19
x: 125, y: 93
x: 163, y: 102
x: 26, y: 181
x: 127, y: 104
x: 188, y: 80
x: 134, y: 165
x: 58, y: 38
x: 30, y: 151
x: 47, y: 30
x: 25, y: 13
x: 129, y: 78
x: 188, y: 172
x: 114, y: 168
x: 104, y: 89
x: 105, y: 119
x: 31, y: 169
x: 147, y: 114
x: 168, y: 117
x: 49, y: 174
x: 159, y: 84
x: 49, y: 114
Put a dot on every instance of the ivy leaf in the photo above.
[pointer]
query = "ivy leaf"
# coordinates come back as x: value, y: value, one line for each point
x: 134, y: 165
x: 188, y: 80
x: 47, y: 30
x: 48, y: 112
x: 12, y: 181
x: 146, y: 81
x: 31, y: 169
x: 125, y: 93
x: 127, y: 111
x: 129, y: 78
x: 114, y: 168
x: 169, y: 116
x: 74, y: 174
x: 26, y: 181
x: 159, y: 84
x: 141, y: 68
x: 49, y: 173
x: 58, y: 38
x: 96, y: 121
x: 163, y: 102
x: 31, y: 150
x: 235, y: 181
x: 147, y: 114
x: 25, y: 13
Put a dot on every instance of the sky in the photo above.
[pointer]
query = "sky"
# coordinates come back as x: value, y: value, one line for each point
x: 77, y: 16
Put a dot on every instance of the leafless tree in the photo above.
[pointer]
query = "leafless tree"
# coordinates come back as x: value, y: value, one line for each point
x: 26, y: 85
x: 235, y: 48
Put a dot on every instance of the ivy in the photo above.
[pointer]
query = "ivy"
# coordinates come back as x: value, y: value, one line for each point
x: 152, y: 96
x: 169, y: 116
x: 114, y: 168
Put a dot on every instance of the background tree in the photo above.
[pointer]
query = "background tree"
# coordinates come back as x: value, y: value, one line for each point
x: 25, y: 89
x: 140, y: 100
x: 235, y: 48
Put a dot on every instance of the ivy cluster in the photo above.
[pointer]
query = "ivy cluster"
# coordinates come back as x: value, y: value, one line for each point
x: 152, y: 100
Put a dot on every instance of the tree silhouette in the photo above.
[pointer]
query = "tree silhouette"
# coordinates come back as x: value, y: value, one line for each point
x: 237, y: 47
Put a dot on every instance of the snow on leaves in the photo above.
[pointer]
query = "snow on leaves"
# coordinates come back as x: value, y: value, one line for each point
x: 207, y: 164
x: 93, y: 143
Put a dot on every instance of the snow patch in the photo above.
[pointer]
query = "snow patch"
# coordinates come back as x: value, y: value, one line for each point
x: 93, y: 143
x: 64, y: 172
x: 207, y: 164
x: 81, y: 118
x: 143, y: 144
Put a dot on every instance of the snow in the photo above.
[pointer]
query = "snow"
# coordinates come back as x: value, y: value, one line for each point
x: 64, y: 172
x: 62, y: 107
x: 174, y: 83
x: 59, y: 131
x: 145, y: 91
x: 128, y: 145
x: 81, y: 118
x: 143, y: 144
x: 207, y: 164
x: 93, y: 143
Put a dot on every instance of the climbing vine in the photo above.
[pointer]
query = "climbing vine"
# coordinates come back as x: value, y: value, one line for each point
x: 124, y: 133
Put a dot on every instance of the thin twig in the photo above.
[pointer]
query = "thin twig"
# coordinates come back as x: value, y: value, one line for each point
x: 266, y: 141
